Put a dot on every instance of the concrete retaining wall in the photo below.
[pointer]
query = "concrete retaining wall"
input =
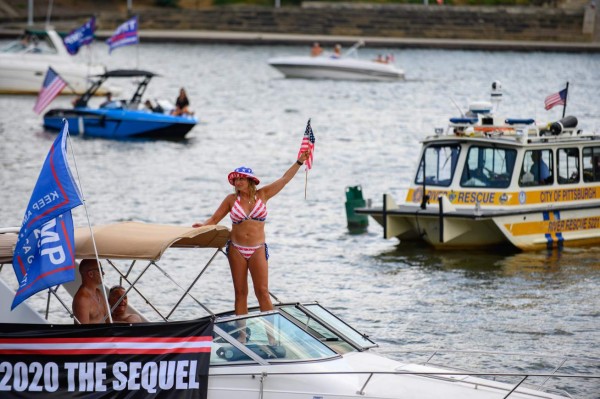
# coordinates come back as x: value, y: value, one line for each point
x: 399, y: 21
x: 391, y: 21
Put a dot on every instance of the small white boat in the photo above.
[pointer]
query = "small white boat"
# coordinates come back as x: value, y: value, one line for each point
x: 345, y: 67
x: 24, y: 63
x: 297, y: 350
x: 479, y: 183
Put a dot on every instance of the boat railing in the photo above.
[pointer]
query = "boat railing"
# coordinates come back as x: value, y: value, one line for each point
x: 353, y: 51
x: 132, y: 286
x: 455, y: 377
x: 523, y: 130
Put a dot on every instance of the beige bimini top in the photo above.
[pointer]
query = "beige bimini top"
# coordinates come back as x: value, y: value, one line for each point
x: 145, y: 241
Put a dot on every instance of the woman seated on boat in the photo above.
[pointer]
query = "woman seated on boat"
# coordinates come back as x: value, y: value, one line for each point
x: 182, y: 104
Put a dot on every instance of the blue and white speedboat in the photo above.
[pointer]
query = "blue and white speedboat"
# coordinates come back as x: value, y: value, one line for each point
x: 120, y: 119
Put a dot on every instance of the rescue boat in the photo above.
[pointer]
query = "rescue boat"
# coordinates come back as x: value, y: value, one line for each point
x: 492, y: 181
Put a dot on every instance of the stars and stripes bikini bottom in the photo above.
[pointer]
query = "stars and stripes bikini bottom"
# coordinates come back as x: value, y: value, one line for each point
x: 245, y: 251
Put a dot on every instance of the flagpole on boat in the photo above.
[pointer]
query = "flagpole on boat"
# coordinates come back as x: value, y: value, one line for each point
x: 566, y: 96
x: 87, y: 215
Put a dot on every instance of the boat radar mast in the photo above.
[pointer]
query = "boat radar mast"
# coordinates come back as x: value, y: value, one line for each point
x: 496, y: 95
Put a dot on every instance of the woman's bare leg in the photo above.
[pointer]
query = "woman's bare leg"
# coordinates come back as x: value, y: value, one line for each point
x: 259, y: 270
x: 239, y: 275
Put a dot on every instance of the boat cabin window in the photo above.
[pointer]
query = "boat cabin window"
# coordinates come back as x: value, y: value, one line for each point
x: 591, y: 164
x: 537, y: 168
x: 567, y: 165
x: 488, y: 167
x: 271, y: 337
x: 439, y: 162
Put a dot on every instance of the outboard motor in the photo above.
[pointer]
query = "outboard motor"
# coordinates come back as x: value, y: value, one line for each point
x: 557, y: 128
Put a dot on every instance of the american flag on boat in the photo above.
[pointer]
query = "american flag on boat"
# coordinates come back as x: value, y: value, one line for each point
x: 126, y: 34
x: 556, y: 99
x: 52, y: 86
x: 308, y: 143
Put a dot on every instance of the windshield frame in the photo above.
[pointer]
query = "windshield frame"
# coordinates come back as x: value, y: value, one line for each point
x: 255, y: 357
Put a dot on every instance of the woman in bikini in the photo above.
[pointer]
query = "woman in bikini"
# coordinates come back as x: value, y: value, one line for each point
x: 247, y: 249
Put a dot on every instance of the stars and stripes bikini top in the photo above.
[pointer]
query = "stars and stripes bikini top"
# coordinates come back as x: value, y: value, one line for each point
x: 258, y: 213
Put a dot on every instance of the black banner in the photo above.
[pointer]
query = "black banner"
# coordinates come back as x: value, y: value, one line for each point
x: 150, y: 360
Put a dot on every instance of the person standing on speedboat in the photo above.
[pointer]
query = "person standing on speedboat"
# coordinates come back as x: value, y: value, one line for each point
x: 247, y: 249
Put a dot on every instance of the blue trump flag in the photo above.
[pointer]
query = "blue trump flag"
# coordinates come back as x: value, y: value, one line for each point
x: 81, y: 36
x: 126, y: 33
x: 45, y: 251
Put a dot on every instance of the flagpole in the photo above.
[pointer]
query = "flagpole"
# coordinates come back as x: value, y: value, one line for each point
x: 90, y: 227
x: 566, y: 96
x: 305, y: 182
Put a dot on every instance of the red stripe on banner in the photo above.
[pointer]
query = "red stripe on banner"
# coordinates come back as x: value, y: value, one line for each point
x: 117, y: 345
x: 100, y: 340
x: 115, y: 351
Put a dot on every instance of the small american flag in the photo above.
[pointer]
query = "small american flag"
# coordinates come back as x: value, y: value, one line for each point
x: 52, y: 86
x: 556, y: 99
x: 308, y: 143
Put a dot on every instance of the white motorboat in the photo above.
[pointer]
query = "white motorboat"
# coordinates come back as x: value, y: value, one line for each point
x: 480, y: 183
x: 298, y: 350
x: 344, y: 67
x: 24, y: 63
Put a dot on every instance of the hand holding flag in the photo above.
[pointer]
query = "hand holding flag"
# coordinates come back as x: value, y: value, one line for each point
x: 308, y: 144
x: 126, y: 33
x: 52, y: 86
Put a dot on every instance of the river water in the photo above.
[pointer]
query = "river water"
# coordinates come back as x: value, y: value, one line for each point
x: 405, y: 297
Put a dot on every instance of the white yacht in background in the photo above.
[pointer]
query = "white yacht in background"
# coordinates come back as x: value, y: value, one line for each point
x: 345, y: 67
x: 24, y: 63
x: 297, y: 350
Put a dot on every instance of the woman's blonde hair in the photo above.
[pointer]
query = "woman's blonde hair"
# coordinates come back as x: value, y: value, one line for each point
x: 251, y: 188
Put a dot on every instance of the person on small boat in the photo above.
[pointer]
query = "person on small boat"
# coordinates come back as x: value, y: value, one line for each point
x: 108, y: 100
x: 119, y: 314
x: 337, y: 51
x: 247, y: 249
x: 154, y: 108
x: 539, y: 169
x: 89, y: 305
x: 182, y: 104
x: 316, y: 50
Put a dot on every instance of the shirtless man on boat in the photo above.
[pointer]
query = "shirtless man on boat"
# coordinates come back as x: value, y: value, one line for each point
x: 89, y: 306
x: 120, y: 314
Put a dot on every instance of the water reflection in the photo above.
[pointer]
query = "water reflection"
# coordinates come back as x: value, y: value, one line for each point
x: 498, y: 261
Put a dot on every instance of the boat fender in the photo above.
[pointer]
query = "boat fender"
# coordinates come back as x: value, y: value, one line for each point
x: 565, y: 123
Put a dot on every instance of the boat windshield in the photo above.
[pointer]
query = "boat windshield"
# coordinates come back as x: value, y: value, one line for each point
x: 439, y: 162
x: 488, y: 167
x: 271, y: 337
x: 328, y: 328
x: 31, y: 44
